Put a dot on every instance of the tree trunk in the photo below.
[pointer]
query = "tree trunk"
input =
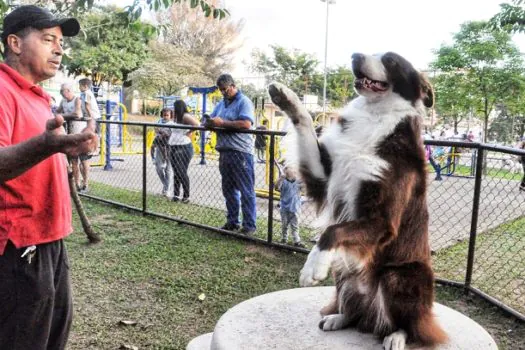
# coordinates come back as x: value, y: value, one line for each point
x: 92, y: 236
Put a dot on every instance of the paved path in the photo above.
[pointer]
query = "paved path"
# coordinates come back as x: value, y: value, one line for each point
x: 450, y: 200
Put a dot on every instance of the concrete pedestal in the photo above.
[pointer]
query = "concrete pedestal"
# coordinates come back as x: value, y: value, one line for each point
x: 289, y: 319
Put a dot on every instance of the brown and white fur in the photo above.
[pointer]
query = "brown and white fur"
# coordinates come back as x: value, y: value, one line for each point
x: 367, y: 174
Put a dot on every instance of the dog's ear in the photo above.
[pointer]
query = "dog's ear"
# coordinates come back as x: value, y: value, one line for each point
x: 427, y: 91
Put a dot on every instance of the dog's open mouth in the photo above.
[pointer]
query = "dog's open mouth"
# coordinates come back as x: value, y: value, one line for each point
x: 372, y: 85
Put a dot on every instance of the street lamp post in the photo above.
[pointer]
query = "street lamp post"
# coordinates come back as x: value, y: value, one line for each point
x: 328, y: 3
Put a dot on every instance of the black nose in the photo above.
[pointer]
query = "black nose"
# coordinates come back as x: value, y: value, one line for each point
x: 358, y: 56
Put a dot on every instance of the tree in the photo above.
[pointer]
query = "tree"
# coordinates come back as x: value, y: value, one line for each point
x: 340, y: 86
x: 510, y: 121
x: 293, y: 68
x: 133, y: 13
x: 75, y: 7
x: 215, y: 42
x: 453, y: 99
x: 168, y: 70
x: 506, y: 126
x: 253, y: 92
x: 490, y: 62
x: 511, y: 17
x: 108, y: 49
x: 298, y: 70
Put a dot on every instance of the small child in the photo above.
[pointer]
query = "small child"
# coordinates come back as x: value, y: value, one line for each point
x: 290, y: 189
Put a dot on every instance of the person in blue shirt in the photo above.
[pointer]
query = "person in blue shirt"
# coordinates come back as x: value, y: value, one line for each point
x: 290, y: 189
x: 235, y: 112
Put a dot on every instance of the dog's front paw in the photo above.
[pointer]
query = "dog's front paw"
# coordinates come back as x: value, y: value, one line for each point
x: 395, y: 341
x: 285, y: 99
x: 333, y: 322
x: 316, y: 267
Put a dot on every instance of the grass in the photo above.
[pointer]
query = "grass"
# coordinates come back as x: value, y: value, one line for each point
x: 498, y: 266
x: 152, y: 272
x: 191, y: 212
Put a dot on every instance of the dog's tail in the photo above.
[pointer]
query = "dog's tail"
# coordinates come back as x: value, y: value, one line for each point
x: 428, y: 332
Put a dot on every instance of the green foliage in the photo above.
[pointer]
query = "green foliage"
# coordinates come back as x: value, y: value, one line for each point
x: 207, y: 9
x: 507, y: 126
x: 130, y: 16
x: 254, y: 92
x: 108, y: 48
x: 480, y: 69
x: 511, y: 17
x: 76, y: 7
x: 292, y: 68
x: 453, y: 99
x: 340, y: 86
x: 298, y: 70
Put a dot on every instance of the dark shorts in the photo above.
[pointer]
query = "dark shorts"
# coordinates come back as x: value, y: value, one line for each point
x: 35, y: 298
x: 82, y: 157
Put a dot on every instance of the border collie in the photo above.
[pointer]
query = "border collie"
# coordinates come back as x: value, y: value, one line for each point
x: 367, y: 175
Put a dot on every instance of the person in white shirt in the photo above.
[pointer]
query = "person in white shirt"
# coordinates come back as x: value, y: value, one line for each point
x: 71, y: 105
x: 181, y: 151
x: 89, y: 102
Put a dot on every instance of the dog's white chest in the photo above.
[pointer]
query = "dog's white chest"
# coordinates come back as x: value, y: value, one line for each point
x: 352, y: 145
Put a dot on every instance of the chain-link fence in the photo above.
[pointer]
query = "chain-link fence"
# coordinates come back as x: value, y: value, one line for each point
x: 477, y: 211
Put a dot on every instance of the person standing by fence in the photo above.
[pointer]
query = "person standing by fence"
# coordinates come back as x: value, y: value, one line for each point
x: 181, y: 151
x: 290, y: 189
x: 160, y: 150
x: 521, y: 146
x: 260, y: 142
x: 71, y: 105
x: 235, y: 112
x: 89, y: 102
x: 35, y: 207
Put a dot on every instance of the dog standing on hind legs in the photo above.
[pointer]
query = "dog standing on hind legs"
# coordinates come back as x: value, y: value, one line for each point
x: 367, y: 175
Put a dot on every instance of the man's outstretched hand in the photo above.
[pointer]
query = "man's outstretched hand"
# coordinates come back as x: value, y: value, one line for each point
x: 72, y: 145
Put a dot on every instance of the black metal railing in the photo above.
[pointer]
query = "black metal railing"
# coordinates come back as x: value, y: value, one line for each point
x: 477, y: 211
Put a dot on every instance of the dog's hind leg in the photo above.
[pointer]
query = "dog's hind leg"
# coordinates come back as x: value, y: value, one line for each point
x: 395, y: 341
x: 314, y: 161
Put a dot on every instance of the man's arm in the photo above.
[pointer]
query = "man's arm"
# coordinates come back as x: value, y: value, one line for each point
x: 60, y: 109
x: 279, y: 182
x: 17, y: 159
x: 230, y: 124
x: 244, y: 119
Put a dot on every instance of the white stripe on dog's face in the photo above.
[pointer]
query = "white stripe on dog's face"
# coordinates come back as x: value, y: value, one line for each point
x: 374, y: 68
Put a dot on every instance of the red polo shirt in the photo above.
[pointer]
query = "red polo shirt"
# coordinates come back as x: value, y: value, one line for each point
x: 35, y: 207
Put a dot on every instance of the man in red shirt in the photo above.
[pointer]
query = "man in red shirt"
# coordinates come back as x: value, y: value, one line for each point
x: 35, y: 208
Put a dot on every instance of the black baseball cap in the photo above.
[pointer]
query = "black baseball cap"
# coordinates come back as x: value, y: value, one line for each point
x: 38, y: 18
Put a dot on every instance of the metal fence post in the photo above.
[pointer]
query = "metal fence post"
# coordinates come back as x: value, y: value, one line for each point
x: 474, y: 220
x: 270, y: 188
x: 144, y: 165
x: 108, y: 165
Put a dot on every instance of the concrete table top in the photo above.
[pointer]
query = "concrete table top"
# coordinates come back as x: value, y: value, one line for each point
x: 288, y: 319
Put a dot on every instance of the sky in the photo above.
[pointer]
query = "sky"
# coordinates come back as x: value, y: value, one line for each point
x: 412, y: 28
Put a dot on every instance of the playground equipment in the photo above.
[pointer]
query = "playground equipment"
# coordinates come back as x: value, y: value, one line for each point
x: 261, y: 119
x: 204, y: 91
x: 168, y: 101
x: 448, y: 160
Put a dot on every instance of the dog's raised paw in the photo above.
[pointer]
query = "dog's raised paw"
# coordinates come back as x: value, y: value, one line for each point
x: 284, y: 98
x: 395, y: 341
x: 333, y: 322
